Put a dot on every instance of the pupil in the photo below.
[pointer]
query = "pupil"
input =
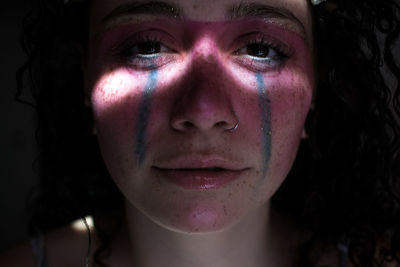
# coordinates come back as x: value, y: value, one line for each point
x: 257, y: 50
x: 148, y: 48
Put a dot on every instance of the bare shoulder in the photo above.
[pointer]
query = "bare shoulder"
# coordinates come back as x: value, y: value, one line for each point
x: 63, y: 247
x: 67, y: 246
x: 17, y: 256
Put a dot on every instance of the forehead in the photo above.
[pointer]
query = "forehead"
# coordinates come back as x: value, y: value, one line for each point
x: 295, y: 14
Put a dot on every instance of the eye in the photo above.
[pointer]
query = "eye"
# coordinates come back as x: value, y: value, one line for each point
x: 259, y: 50
x: 260, y: 55
x: 149, y: 48
x: 144, y: 52
x: 144, y: 49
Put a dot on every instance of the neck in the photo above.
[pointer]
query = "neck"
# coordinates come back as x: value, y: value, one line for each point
x: 255, y: 241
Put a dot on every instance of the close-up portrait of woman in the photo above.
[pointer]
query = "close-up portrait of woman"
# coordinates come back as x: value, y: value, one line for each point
x: 213, y: 133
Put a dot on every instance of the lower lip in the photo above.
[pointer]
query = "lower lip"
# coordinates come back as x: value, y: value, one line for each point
x: 198, y: 179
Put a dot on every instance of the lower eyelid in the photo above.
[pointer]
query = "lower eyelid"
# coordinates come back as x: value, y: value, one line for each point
x: 259, y: 65
x: 151, y: 62
x: 147, y: 57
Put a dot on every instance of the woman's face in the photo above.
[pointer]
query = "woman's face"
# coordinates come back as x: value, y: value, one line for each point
x: 199, y: 106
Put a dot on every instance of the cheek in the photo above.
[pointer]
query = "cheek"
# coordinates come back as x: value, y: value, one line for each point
x: 116, y: 99
x: 290, y: 101
x: 124, y: 109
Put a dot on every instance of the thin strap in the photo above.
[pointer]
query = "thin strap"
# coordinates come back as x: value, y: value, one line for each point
x: 343, y: 251
x: 37, y: 245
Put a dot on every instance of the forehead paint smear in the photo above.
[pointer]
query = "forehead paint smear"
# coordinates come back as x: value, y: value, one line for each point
x: 143, y: 116
x: 265, y: 109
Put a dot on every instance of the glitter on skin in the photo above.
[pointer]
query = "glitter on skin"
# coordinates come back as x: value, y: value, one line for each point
x: 265, y: 109
x: 143, y: 116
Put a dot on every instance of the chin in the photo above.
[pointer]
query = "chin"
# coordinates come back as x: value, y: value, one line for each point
x: 196, y: 214
x: 200, y: 219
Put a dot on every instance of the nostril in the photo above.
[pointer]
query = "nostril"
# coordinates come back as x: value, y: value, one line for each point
x: 221, y: 124
x: 188, y: 124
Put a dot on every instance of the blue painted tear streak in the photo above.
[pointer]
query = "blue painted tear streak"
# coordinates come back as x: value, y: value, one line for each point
x: 265, y: 109
x: 143, y: 116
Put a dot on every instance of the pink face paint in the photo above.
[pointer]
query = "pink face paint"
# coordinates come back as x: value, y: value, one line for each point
x: 110, y: 38
x: 205, y: 69
x: 110, y: 42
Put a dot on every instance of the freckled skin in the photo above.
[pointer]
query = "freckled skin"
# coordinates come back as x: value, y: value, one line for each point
x: 201, y: 86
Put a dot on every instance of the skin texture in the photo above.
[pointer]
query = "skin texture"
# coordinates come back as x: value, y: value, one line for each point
x: 154, y: 110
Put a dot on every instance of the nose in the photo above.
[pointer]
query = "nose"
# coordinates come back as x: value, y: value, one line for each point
x: 206, y: 99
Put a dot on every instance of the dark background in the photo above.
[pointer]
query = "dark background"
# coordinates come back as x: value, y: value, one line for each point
x: 17, y: 142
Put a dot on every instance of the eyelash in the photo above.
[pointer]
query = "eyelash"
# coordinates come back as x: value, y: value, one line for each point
x: 127, y: 54
x: 263, y: 64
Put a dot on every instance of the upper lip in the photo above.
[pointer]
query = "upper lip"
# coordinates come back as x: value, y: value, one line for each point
x: 198, y: 162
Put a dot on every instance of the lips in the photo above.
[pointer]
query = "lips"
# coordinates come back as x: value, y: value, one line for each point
x: 199, y: 173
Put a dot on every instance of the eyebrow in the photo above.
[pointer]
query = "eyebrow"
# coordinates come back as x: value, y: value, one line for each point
x: 255, y: 10
x: 147, y: 8
x: 242, y: 11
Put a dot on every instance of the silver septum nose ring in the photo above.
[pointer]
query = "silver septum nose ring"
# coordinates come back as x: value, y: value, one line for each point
x: 234, y: 128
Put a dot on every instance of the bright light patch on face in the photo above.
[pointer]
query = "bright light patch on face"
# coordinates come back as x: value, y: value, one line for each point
x: 114, y: 86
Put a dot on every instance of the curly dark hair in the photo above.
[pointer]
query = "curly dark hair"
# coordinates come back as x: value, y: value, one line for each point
x: 344, y: 186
